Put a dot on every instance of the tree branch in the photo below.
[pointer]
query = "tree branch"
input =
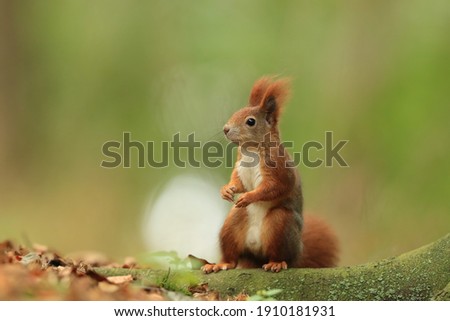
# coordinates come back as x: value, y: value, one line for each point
x: 422, y: 274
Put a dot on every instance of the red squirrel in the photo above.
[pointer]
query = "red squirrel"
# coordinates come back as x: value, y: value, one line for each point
x: 265, y: 227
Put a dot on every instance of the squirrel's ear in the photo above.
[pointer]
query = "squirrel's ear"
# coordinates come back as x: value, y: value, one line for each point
x: 274, y: 99
x: 258, y: 90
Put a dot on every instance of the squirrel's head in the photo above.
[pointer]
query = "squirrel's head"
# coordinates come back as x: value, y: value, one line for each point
x: 260, y: 117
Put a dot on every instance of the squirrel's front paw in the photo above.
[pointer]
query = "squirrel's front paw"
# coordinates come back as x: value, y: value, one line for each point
x: 245, y: 200
x: 227, y: 192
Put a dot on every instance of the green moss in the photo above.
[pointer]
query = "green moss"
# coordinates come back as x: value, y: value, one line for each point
x: 417, y: 275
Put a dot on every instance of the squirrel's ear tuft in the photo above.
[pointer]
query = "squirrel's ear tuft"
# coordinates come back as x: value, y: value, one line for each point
x: 274, y: 98
x: 258, y: 90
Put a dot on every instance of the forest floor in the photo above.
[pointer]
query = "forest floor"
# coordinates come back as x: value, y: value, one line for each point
x: 38, y: 273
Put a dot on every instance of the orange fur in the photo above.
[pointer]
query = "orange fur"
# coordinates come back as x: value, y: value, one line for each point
x: 258, y: 91
x: 265, y: 227
x: 278, y: 90
x: 320, y: 244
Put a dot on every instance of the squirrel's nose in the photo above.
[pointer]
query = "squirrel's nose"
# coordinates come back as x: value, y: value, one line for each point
x: 226, y: 129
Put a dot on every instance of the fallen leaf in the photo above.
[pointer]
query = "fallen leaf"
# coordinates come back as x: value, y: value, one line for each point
x: 129, y: 262
x: 196, y: 263
x: 120, y: 279
x: 40, y: 248
x: 108, y: 287
x: 31, y: 257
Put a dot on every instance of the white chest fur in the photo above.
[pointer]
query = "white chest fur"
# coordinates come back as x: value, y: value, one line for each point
x: 249, y: 171
x: 251, y: 177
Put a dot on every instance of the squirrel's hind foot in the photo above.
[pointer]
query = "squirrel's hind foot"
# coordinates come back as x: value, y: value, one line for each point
x: 208, y: 268
x: 275, y: 266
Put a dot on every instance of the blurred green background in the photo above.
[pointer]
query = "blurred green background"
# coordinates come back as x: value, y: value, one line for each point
x: 75, y: 74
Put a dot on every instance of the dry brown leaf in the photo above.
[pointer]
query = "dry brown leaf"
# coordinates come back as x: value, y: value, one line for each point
x: 40, y: 248
x: 241, y: 297
x: 42, y: 274
x: 196, y: 262
x: 108, y: 287
x: 129, y: 262
x: 156, y: 297
x: 91, y: 258
x: 199, y: 288
x: 121, y: 279
x: 209, y: 296
x: 202, y: 292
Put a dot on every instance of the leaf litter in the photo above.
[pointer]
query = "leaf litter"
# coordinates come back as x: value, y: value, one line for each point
x: 38, y: 273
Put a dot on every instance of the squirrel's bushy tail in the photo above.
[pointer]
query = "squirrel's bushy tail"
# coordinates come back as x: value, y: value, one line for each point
x: 320, y: 244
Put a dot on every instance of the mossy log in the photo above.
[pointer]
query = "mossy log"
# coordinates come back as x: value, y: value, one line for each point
x: 422, y: 274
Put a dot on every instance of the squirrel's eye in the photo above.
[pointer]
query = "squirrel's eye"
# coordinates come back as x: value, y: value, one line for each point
x: 251, y: 122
